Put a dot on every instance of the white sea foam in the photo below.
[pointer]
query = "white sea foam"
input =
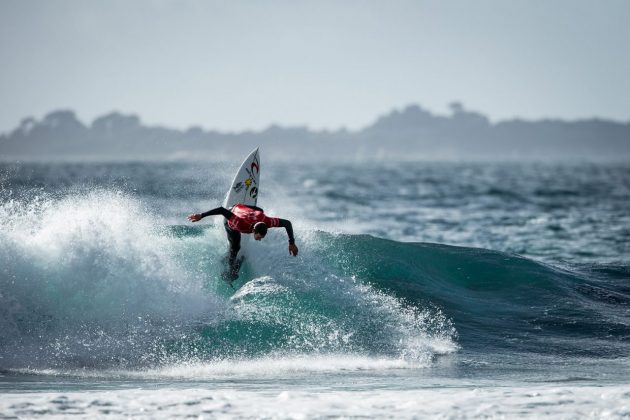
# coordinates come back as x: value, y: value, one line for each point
x: 271, y: 367
x: 457, y: 402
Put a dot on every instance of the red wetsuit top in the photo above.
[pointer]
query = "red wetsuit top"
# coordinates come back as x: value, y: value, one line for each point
x: 244, y: 218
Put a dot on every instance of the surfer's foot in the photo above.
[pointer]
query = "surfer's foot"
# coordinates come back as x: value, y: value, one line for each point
x: 231, y: 274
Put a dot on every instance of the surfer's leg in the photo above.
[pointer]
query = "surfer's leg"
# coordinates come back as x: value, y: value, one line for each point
x: 234, y: 238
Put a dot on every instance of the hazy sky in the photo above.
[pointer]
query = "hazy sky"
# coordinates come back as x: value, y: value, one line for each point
x: 234, y: 65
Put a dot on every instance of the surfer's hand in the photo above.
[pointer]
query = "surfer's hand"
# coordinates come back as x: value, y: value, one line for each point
x: 194, y: 217
x: 293, y: 250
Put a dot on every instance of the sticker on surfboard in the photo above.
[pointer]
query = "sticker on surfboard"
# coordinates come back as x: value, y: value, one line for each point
x: 244, y: 187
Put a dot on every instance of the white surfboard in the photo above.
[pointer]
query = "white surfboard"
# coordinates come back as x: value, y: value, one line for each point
x: 244, y: 188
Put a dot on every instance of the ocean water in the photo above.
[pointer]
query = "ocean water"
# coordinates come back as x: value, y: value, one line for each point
x: 429, y: 289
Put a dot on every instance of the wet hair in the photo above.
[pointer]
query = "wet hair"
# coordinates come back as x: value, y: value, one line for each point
x: 260, y: 228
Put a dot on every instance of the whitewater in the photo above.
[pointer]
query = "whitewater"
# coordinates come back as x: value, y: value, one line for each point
x: 449, y: 290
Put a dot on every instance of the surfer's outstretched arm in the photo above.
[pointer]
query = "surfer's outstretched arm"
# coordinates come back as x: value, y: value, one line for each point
x: 214, y: 212
x: 293, y: 249
x: 287, y: 225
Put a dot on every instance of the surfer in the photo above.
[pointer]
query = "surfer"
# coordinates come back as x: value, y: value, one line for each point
x: 246, y: 219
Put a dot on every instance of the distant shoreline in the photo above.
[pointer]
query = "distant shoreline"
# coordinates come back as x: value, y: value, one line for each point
x: 410, y: 134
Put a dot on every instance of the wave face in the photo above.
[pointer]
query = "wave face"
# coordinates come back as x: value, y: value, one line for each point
x: 89, y: 280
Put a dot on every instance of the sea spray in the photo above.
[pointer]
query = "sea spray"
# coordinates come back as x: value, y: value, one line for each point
x: 89, y: 279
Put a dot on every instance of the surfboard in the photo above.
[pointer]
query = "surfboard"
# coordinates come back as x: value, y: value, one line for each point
x: 244, y: 188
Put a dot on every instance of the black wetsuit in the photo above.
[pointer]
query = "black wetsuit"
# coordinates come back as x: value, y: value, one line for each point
x: 234, y: 236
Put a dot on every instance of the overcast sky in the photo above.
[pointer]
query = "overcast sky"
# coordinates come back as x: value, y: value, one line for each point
x: 235, y: 65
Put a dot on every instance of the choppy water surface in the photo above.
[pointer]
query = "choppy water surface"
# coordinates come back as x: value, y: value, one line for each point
x: 503, y: 286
